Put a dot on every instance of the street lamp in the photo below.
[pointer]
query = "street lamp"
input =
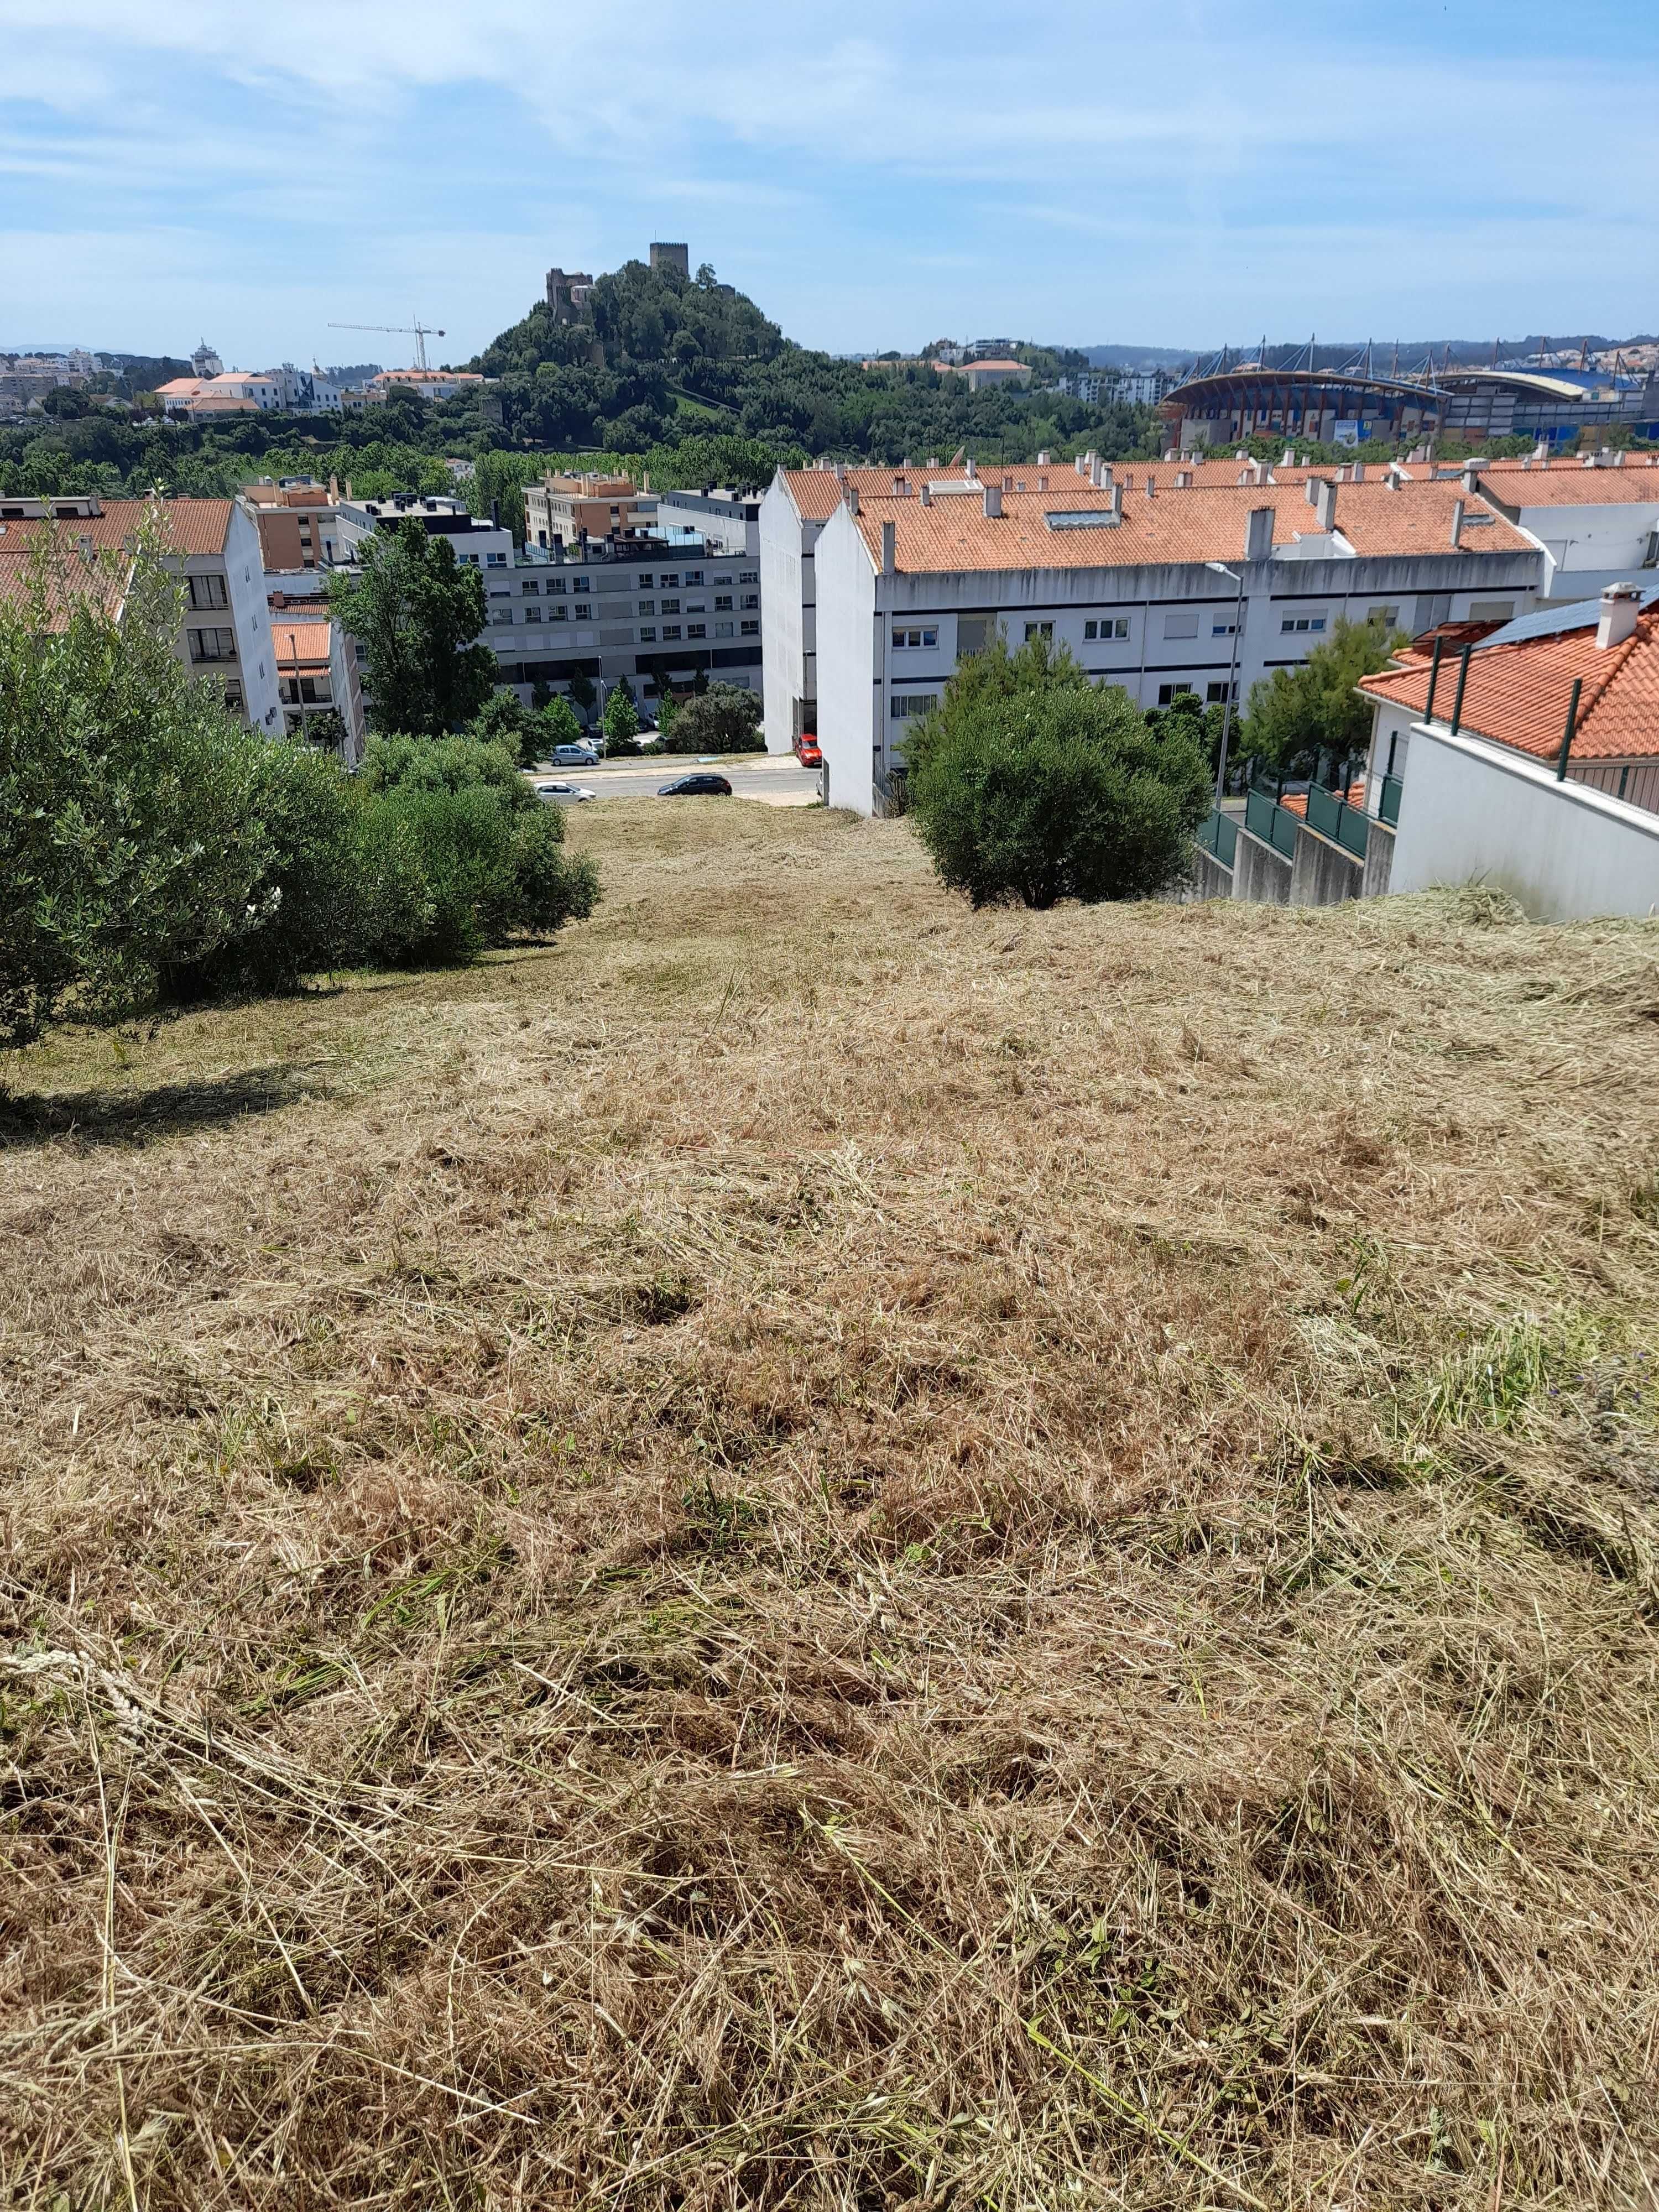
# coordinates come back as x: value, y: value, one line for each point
x: 1233, y: 576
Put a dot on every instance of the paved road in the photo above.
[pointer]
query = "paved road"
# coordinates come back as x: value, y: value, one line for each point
x: 776, y: 779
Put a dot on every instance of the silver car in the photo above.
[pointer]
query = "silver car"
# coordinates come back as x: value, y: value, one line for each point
x: 562, y: 794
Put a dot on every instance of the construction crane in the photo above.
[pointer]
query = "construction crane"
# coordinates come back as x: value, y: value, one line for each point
x: 418, y: 330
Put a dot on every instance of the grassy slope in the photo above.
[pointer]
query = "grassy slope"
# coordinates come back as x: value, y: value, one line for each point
x: 814, y: 1548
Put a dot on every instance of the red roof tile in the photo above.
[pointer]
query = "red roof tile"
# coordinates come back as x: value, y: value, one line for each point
x: 1519, y: 693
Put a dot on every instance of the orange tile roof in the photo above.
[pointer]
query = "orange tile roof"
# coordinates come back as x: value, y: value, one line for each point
x: 953, y: 535
x: 187, y: 527
x: 1519, y: 693
x: 103, y: 584
x: 178, y: 387
x: 300, y: 644
x: 1576, y: 487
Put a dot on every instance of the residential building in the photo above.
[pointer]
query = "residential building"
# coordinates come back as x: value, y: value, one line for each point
x: 993, y: 370
x: 317, y: 677
x: 1158, y: 592
x: 233, y: 392
x: 726, y: 521
x: 1596, y: 518
x: 298, y: 522
x: 427, y: 384
x: 211, y: 544
x: 566, y: 510
x: 485, y: 544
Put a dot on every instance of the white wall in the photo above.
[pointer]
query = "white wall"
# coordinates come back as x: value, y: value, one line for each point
x: 849, y: 697
x: 245, y: 580
x: 1472, y: 811
x: 1590, y: 546
x: 783, y: 596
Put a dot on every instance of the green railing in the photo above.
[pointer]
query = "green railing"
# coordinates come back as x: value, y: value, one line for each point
x: 1335, y: 818
x: 1218, y: 836
x: 1388, y: 806
x: 1274, y: 824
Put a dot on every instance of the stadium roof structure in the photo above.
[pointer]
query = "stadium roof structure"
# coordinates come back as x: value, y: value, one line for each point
x: 1247, y: 379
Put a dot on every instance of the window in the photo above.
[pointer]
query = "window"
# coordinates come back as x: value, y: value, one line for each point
x: 1107, y: 626
x: 696, y: 606
x: 208, y: 591
x: 694, y: 575
x: 642, y: 583
x: 696, y: 629
x: 1039, y: 630
x: 556, y: 584
x: 672, y: 583
x: 1182, y: 624
x: 495, y: 560
x: 648, y: 633
x: 647, y: 606
x: 749, y: 575
x: 560, y: 614
x: 670, y: 606
x: 530, y: 588
x: 1388, y: 617
x: 1216, y: 694
x: 751, y: 629
x: 581, y: 584
x: 911, y: 639
x: 1491, y: 611
x: 1167, y: 692
x: 722, y: 605
x: 532, y: 614
x: 752, y: 598
x: 468, y: 560
x: 905, y: 705
x: 1315, y: 623
x: 722, y: 630
x: 233, y: 695
x: 1223, y: 630
x: 213, y: 645
x: 669, y: 630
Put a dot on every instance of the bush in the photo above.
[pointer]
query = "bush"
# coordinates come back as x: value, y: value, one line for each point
x: 505, y: 720
x: 724, y: 719
x: 622, y: 725
x: 450, y: 764
x: 1028, y: 783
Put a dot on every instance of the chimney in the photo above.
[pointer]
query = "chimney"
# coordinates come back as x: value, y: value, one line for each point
x: 969, y: 471
x: 1259, y: 533
x: 1258, y: 472
x: 1359, y: 472
x: 1151, y: 485
x: 1620, y: 605
x: 1171, y: 454
x: 1241, y: 455
x: 1457, y: 524
x: 1618, y: 458
x: 1471, y: 479
x: 1043, y: 461
x: 851, y: 496
x: 1183, y: 479
x: 926, y: 494
x: 1115, y: 510
x: 1097, y: 471
x: 1325, y: 503
x: 1289, y: 461
x: 1311, y: 490
x: 889, y: 538
x: 992, y: 502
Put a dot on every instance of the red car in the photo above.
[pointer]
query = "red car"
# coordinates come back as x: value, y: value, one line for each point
x: 807, y: 750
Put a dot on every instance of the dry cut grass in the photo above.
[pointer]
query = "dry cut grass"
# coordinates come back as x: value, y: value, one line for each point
x: 818, y: 1551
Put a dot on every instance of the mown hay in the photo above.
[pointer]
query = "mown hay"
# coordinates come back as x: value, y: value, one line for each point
x: 812, y: 1549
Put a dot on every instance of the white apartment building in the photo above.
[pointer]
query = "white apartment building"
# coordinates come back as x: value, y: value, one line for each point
x: 1596, y: 518
x: 429, y: 383
x: 657, y: 609
x: 1160, y: 591
x: 212, y: 547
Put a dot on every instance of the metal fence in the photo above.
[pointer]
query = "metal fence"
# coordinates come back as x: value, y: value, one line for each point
x: 1218, y: 836
x: 1388, y: 802
x: 1335, y: 818
x: 1274, y: 824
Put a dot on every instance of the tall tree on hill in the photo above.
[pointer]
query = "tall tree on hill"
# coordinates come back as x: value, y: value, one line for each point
x: 418, y: 613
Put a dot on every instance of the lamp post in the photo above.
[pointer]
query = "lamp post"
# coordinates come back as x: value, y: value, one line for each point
x: 1233, y: 576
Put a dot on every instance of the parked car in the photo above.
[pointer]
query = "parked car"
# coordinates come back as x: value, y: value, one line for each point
x: 696, y: 787
x: 570, y: 793
x: 806, y: 751
x: 574, y: 757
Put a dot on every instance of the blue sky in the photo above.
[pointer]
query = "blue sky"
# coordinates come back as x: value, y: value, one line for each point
x: 874, y: 174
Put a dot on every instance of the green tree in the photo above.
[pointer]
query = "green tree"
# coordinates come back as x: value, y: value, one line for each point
x: 1295, y: 713
x: 418, y: 613
x: 504, y: 720
x: 130, y: 839
x: 581, y: 689
x: 622, y: 724
x: 724, y: 719
x: 559, y: 727
x: 1051, y: 789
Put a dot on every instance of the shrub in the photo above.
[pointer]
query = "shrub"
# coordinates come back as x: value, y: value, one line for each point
x: 444, y: 764
x: 1051, y: 789
x: 505, y: 720
x: 622, y: 725
x: 724, y: 719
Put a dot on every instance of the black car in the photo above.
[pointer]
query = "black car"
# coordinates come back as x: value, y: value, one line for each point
x: 696, y: 787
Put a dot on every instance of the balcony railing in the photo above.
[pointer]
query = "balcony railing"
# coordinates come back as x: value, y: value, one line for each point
x: 1274, y: 824
x: 1333, y: 817
x: 1388, y: 803
x: 1218, y: 836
